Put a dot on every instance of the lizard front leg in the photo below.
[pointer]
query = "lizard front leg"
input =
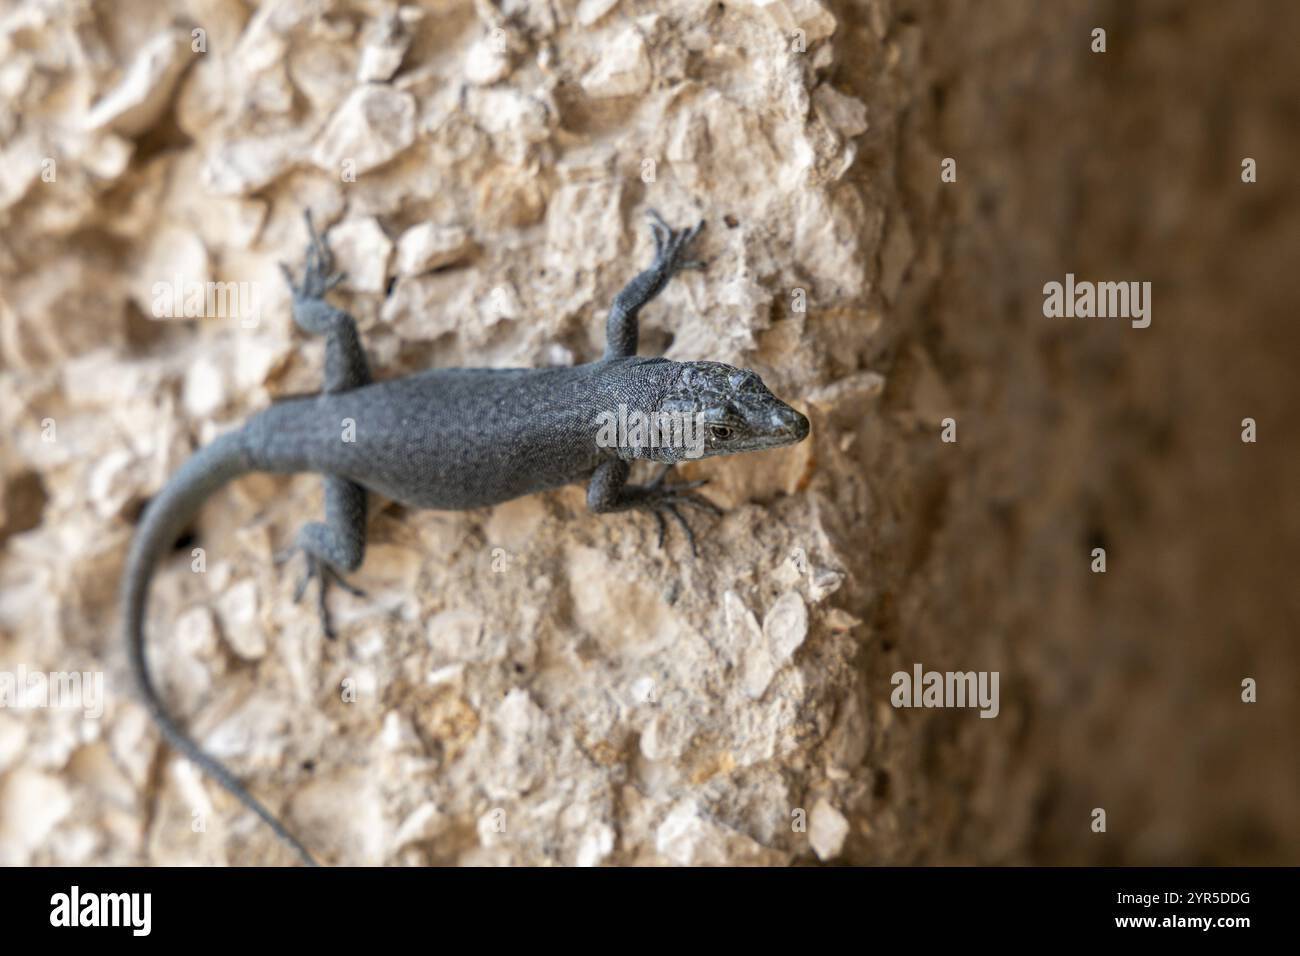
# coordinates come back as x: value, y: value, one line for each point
x: 338, y: 544
x: 608, y: 490
x: 621, y: 327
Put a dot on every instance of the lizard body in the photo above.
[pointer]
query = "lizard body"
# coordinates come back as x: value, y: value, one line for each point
x: 453, y: 439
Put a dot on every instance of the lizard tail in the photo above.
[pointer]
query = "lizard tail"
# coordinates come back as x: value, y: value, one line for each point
x: 160, y: 526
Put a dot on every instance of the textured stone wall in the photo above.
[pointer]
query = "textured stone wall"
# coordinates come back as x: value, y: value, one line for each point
x: 535, y: 684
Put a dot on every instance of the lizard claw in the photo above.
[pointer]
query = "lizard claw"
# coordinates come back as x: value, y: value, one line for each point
x: 671, y: 245
x: 670, y: 507
x: 660, y: 499
x: 326, y: 575
x: 318, y: 276
x: 663, y: 526
x: 690, y: 533
x: 660, y: 230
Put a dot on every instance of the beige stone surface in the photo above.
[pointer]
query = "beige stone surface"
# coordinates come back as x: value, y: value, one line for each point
x: 532, y: 684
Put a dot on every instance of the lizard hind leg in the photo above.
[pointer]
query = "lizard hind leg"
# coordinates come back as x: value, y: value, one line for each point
x: 335, y: 546
x: 345, y: 360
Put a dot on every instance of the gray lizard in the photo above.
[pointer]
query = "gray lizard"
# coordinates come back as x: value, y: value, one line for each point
x: 454, y: 439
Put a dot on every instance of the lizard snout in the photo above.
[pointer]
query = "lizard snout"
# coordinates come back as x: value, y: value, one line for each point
x: 789, y: 422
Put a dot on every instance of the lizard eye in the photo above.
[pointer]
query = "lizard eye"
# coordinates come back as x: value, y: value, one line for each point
x: 720, y: 432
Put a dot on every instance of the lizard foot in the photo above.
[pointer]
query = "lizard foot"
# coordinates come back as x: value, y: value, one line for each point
x: 660, y: 499
x: 326, y: 574
x: 671, y: 245
x: 318, y: 273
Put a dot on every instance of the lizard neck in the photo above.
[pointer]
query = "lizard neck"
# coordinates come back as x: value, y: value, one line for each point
x: 636, y: 382
x: 628, y: 411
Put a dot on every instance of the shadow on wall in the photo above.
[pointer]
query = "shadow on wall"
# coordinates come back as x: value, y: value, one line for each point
x: 1169, y: 450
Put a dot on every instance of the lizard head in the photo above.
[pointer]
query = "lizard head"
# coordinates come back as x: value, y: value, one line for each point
x: 729, y: 411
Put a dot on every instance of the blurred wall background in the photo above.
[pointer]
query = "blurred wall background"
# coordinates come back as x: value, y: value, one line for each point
x: 1090, y: 433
